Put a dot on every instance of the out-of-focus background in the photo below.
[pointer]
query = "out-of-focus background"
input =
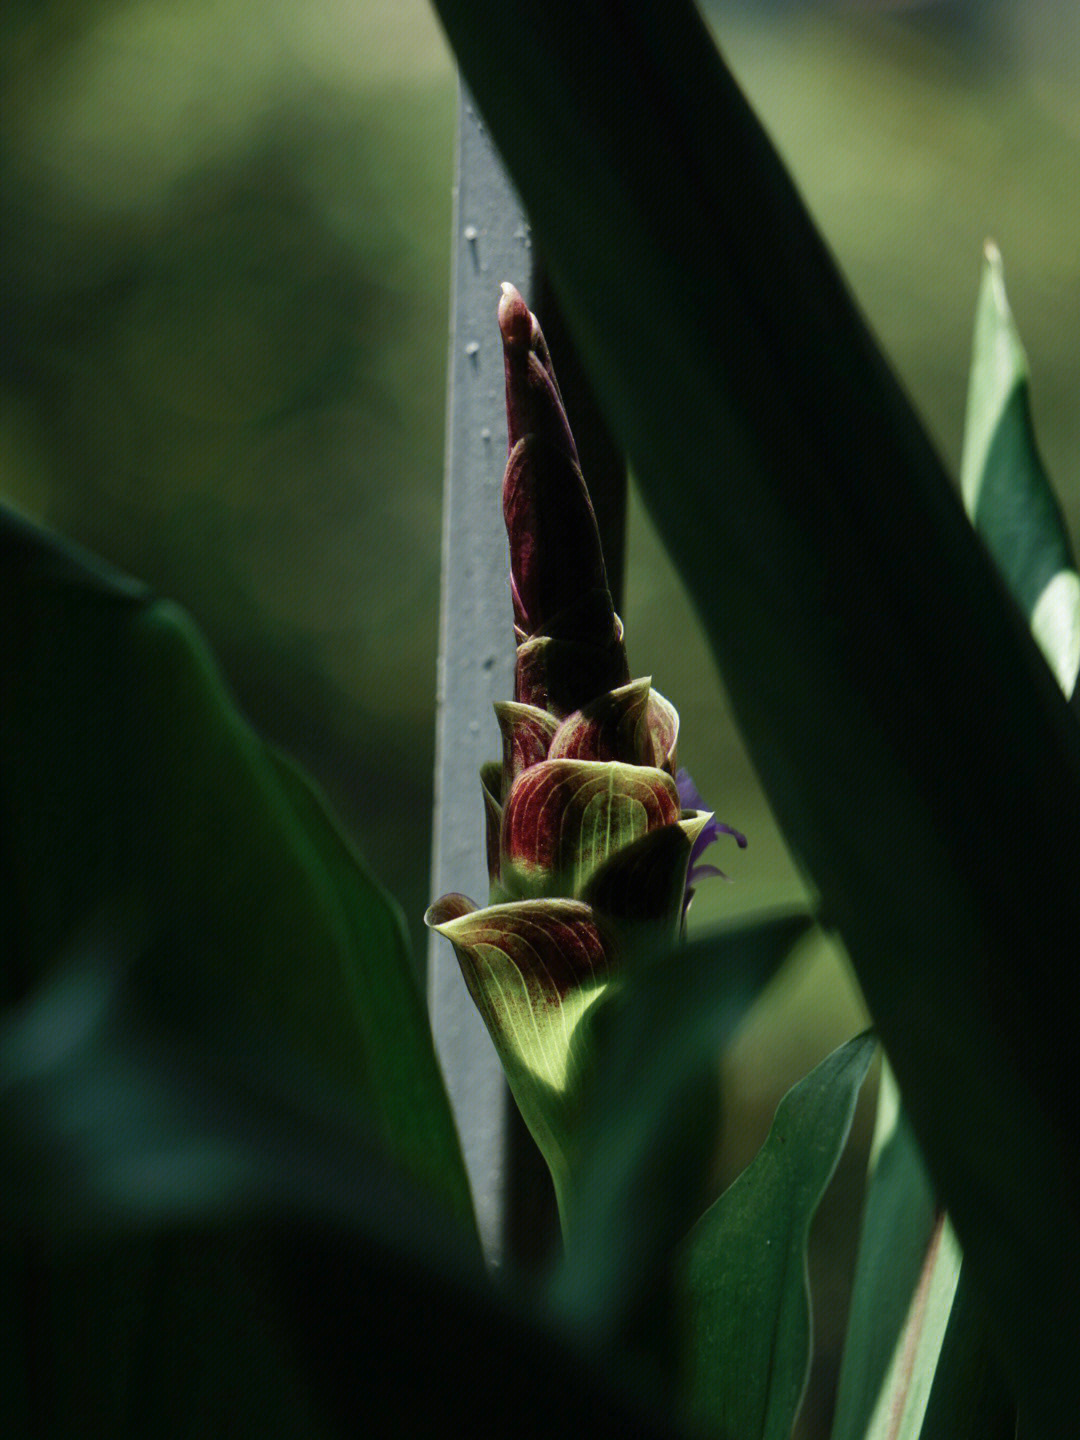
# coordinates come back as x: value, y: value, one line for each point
x: 225, y: 262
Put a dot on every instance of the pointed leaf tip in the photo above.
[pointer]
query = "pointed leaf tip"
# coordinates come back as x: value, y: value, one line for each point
x: 515, y: 318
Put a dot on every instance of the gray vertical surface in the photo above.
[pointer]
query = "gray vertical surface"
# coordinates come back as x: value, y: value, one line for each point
x: 476, y: 643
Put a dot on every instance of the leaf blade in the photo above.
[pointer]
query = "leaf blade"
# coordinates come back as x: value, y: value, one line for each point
x: 897, y: 1228
x: 129, y: 777
x: 646, y: 1134
x: 746, y: 1265
x: 856, y: 619
x: 1005, y: 486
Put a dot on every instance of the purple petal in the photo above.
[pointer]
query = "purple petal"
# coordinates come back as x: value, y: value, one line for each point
x: 689, y: 794
x: 705, y: 872
x: 691, y: 799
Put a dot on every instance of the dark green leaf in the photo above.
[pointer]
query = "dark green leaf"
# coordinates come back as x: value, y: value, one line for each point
x: 128, y: 778
x: 1005, y: 487
x: 746, y: 1280
x: 647, y: 1136
x: 407, y: 1097
x: 969, y: 1399
x: 899, y: 714
x: 209, y: 1244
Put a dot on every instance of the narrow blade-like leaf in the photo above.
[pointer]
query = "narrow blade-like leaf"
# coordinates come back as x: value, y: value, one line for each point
x: 897, y: 709
x: 897, y: 1228
x: 746, y: 1279
x: 1005, y: 487
x: 647, y: 1134
x: 969, y: 1399
x: 900, y: 1406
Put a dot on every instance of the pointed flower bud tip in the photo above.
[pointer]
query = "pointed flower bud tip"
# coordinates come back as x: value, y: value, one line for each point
x: 515, y: 319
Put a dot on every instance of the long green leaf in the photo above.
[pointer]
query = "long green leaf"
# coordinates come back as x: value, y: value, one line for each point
x: 1007, y: 494
x: 897, y: 1230
x: 746, y: 1279
x: 1005, y: 487
x: 647, y: 1135
x: 128, y: 777
x: 905, y: 1391
x: 901, y: 718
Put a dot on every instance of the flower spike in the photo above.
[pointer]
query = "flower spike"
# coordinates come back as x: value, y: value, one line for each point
x: 593, y: 838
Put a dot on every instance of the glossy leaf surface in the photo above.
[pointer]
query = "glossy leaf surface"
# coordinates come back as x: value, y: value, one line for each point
x: 746, y: 1280
x: 898, y: 712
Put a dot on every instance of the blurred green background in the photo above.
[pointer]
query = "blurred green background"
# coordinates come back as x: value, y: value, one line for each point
x: 225, y: 257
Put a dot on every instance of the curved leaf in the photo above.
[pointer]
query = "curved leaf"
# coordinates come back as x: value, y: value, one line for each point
x: 126, y: 774
x: 527, y: 733
x: 746, y: 1280
x: 662, y: 723
x: 895, y: 705
x: 407, y: 1090
x: 533, y: 969
x: 608, y: 728
x: 491, y: 788
x: 1005, y: 487
x: 639, y: 891
x: 649, y: 1124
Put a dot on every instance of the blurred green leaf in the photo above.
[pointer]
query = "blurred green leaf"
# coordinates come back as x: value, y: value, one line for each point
x: 646, y: 1138
x: 239, y: 1033
x: 1005, y: 487
x: 897, y: 1229
x: 407, y: 1098
x: 138, y: 1300
x: 128, y: 777
x: 210, y: 1243
x: 746, y: 1278
x: 896, y: 707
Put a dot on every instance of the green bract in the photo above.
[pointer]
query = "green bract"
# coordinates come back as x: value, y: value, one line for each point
x: 588, y: 843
